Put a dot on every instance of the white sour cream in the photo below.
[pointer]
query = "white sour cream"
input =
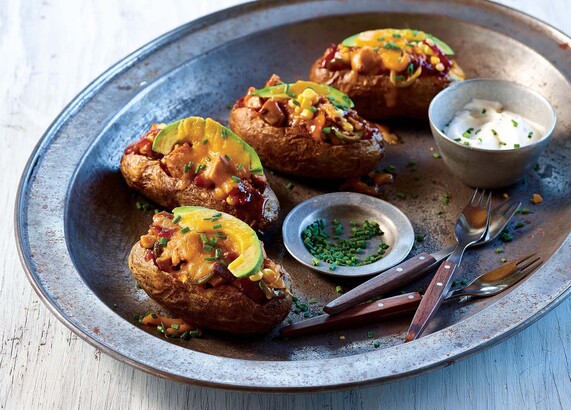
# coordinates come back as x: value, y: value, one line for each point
x: 484, y: 124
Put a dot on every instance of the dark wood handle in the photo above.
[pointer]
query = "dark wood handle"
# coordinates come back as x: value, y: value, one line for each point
x: 365, y: 314
x: 387, y: 281
x: 432, y: 299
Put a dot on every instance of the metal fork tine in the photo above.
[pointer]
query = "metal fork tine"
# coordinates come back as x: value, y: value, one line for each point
x: 504, y: 204
x: 528, y: 269
x: 528, y: 263
x: 514, y: 207
x: 482, y: 197
x: 474, y: 196
x: 489, y: 202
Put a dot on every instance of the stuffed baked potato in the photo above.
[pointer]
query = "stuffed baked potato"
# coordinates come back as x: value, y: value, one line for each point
x: 307, y: 129
x: 199, y: 162
x: 388, y: 73
x: 209, y: 269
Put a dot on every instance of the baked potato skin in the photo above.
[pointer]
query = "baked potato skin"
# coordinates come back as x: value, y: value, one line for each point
x: 146, y: 176
x: 376, y: 98
x: 293, y: 150
x: 223, y: 308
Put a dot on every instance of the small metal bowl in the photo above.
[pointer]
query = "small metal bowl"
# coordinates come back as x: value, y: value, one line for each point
x: 488, y: 168
x: 347, y: 207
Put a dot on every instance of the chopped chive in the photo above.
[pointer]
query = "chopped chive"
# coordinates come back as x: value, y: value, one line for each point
x: 185, y: 229
x: 176, y: 219
x: 195, y: 333
x: 199, y: 168
x: 207, y: 248
x: 503, y: 260
x: 257, y: 170
x: 313, y: 109
x: 519, y: 225
x: 217, y: 226
x: 370, y: 335
x: 218, y: 253
x: 139, y: 206
x: 315, y: 262
x: 289, y: 185
x: 203, y: 238
x: 530, y: 134
x: 204, y: 141
x: 213, y: 241
x: 477, y: 131
x: 445, y: 199
x: 503, y: 143
x: 420, y: 237
x: 210, y: 258
x: 295, y: 102
x: 185, y: 336
x: 391, y: 46
x: 376, y: 344
x: 410, y: 68
x: 235, y: 178
x: 494, y: 132
x: 227, y: 157
x: 436, y: 155
x: 146, y: 207
x: 516, y: 145
x: 483, y: 111
x: 208, y: 159
x: 220, y: 235
x: 239, y: 167
x: 396, y: 35
x: 514, y: 122
x: 224, y: 133
x: 457, y: 139
x: 163, y: 241
x: 499, y: 250
x: 327, y: 130
x: 339, y: 289
x: 399, y: 78
x: 466, y: 143
x: 381, y: 39
x: 175, y: 326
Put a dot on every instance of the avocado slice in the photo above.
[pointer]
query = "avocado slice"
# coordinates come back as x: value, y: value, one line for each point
x: 445, y: 48
x: 292, y: 90
x: 195, y: 130
x: 241, y: 238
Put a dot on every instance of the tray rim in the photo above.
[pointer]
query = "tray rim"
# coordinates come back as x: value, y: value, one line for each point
x: 186, y: 29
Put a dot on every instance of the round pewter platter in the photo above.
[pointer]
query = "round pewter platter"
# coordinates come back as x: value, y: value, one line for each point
x: 76, y: 220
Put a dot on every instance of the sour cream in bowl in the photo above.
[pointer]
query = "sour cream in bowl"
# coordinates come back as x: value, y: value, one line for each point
x: 490, y: 132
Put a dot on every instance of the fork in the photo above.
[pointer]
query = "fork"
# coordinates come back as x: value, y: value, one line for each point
x: 471, y: 226
x: 417, y: 266
x: 489, y: 284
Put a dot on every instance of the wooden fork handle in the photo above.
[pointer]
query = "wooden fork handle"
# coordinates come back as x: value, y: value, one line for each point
x: 384, y: 282
x: 432, y: 299
x: 365, y: 314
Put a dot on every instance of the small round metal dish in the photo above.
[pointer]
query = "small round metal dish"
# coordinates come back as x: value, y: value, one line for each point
x: 347, y: 207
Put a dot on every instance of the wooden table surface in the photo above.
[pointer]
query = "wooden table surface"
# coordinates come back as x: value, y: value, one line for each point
x: 50, y: 51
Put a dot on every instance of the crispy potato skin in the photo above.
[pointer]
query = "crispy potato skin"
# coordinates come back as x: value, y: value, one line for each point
x: 222, y: 308
x: 146, y: 176
x: 292, y: 150
x: 376, y: 98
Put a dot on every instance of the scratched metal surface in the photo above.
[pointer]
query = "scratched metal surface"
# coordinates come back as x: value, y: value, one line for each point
x: 77, y: 220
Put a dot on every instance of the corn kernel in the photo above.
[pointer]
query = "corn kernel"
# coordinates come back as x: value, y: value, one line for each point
x: 427, y: 50
x: 231, y: 201
x: 256, y: 277
x: 297, y: 110
x: 306, y: 114
x: 440, y: 67
x: 347, y: 126
x: 434, y: 60
x: 310, y: 94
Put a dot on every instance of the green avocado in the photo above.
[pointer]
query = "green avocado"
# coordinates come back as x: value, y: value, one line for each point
x: 292, y: 90
x: 196, y: 130
x: 445, y: 48
x: 239, y: 237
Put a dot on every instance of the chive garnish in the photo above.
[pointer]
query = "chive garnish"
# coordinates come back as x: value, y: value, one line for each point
x: 235, y: 178
x: 239, y: 167
x: 199, y: 168
x: 204, y: 141
x: 391, y: 46
x: 514, y: 122
x: 210, y: 258
x: 436, y: 155
x: 213, y: 240
x: 139, y: 206
x: 494, y: 132
x: 295, y: 102
x: 289, y: 185
x: 466, y: 143
x: 176, y: 219
x: 207, y: 248
x: 257, y: 170
x: 530, y: 134
x: 339, y: 289
x: 313, y: 109
x: 327, y: 130
x: 370, y: 335
x: 175, y: 326
x: 381, y: 39
x: 399, y: 78
x: 376, y: 344
x: 516, y: 145
x: 410, y: 68
x: 227, y: 157
x: 203, y: 238
x: 483, y: 111
x: 396, y: 35
x: 163, y: 241
x: 315, y: 262
x: 217, y: 226
x: 457, y: 139
x: 223, y: 132
x: 185, y: 229
x: 220, y: 235
x: 195, y: 333
x: 218, y: 253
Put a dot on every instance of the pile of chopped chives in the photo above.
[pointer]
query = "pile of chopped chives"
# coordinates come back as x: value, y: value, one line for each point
x: 343, y: 252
